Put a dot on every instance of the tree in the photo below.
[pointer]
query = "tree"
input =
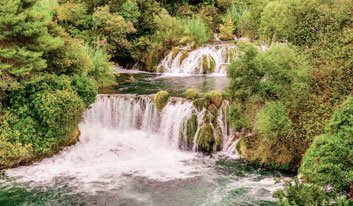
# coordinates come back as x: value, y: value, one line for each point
x: 329, y: 160
x: 24, y: 38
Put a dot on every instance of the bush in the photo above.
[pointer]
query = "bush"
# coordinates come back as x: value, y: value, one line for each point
x: 195, y: 31
x: 58, y: 111
x: 86, y: 88
x: 237, y: 117
x: 70, y: 58
x: 328, y: 161
x: 102, y: 71
x: 226, y: 29
x: 111, y: 29
x: 301, y: 194
x: 273, y: 122
x: 161, y: 99
x: 130, y: 11
x: 272, y: 73
x: 341, y: 122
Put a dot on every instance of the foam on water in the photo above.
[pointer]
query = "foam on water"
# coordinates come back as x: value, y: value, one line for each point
x: 127, y: 150
x: 120, y: 136
x: 210, y: 59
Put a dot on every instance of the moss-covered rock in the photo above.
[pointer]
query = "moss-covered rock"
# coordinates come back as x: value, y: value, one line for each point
x: 200, y: 103
x: 218, y: 138
x: 191, y: 129
x: 228, y: 54
x: 205, y: 139
x: 160, y: 69
x: 175, y: 51
x: 215, y: 98
x: 161, y: 99
x: 242, y: 148
x: 184, y: 55
x: 191, y: 94
x: 208, y: 64
x: 213, y: 110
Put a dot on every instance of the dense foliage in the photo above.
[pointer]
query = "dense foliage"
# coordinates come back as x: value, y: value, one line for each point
x: 47, y: 79
x: 286, y: 93
x: 288, y: 86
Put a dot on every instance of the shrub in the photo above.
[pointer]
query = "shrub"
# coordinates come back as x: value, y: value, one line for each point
x: 272, y: 73
x: 130, y: 11
x: 328, y: 161
x: 70, y: 58
x: 161, y: 99
x: 111, y: 29
x: 341, y: 122
x: 102, y: 71
x: 273, y: 122
x: 226, y: 29
x: 58, y: 111
x: 237, y: 117
x: 301, y: 194
x: 196, y: 31
x: 86, y: 88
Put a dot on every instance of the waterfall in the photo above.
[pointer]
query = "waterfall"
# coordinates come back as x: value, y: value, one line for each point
x: 209, y: 59
x: 137, y: 112
x: 124, y: 135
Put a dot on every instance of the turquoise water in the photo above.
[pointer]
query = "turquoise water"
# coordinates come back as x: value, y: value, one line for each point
x: 111, y: 168
x: 226, y: 182
x: 147, y: 83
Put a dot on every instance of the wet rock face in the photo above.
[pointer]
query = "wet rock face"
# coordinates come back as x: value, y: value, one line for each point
x: 191, y: 129
x: 205, y: 139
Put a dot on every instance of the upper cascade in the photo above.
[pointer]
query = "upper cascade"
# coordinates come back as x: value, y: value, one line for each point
x: 209, y: 59
x: 179, y: 124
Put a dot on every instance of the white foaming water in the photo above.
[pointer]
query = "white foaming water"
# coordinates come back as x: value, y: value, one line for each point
x: 209, y: 59
x: 123, y: 135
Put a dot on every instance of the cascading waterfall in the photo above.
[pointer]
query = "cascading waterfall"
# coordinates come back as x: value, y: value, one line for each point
x: 209, y: 59
x: 130, y: 153
x: 137, y: 112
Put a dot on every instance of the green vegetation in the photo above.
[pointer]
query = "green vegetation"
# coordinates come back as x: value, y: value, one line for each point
x: 290, y: 102
x: 161, y: 99
x: 284, y: 95
x: 227, y: 29
x: 191, y: 129
x: 47, y: 79
x: 191, y: 94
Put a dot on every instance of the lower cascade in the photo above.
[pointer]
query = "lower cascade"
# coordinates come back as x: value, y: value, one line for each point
x: 209, y: 59
x: 131, y: 154
x: 179, y: 124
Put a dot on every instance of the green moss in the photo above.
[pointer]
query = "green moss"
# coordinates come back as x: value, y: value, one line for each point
x: 242, y: 148
x: 191, y: 94
x: 200, y: 103
x: 160, y: 69
x: 208, y: 64
x: 175, y: 51
x: 218, y: 138
x: 184, y: 55
x: 161, y: 99
x: 205, y: 139
x: 215, y: 98
x: 212, y: 109
x: 191, y: 129
x: 228, y: 54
